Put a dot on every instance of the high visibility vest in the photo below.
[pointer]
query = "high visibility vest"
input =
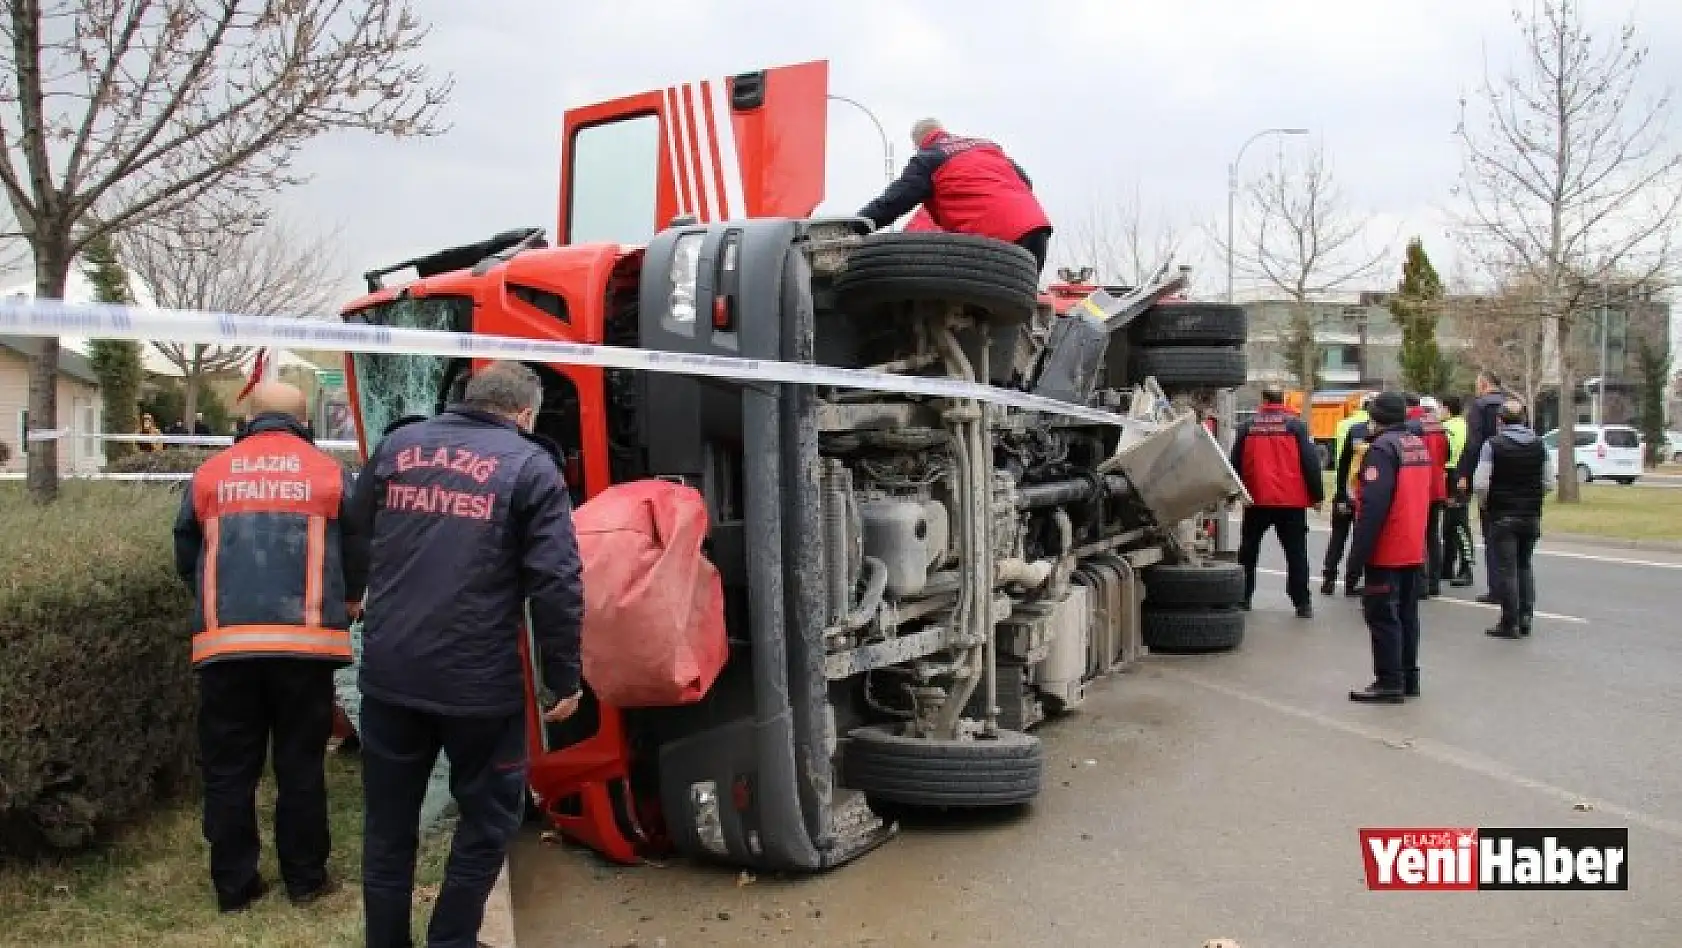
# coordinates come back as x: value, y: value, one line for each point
x: 1456, y: 429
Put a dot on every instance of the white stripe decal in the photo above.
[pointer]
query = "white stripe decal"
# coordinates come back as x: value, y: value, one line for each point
x: 704, y: 152
x: 724, y: 129
x: 674, y: 149
x: 685, y: 151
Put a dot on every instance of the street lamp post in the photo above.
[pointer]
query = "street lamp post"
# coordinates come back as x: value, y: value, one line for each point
x: 1232, y: 193
x: 887, y: 144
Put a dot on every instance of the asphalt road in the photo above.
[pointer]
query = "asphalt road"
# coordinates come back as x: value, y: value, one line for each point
x: 1205, y: 797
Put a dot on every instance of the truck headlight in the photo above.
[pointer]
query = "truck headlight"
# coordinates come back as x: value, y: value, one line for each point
x: 709, y: 827
x: 686, y: 268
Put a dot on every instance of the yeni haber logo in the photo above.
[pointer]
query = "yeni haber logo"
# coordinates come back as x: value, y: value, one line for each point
x: 1470, y: 858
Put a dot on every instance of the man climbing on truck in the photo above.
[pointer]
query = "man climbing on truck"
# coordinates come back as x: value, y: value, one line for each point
x: 967, y: 186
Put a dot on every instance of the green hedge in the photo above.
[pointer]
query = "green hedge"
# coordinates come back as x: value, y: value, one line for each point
x: 186, y: 460
x: 95, y: 683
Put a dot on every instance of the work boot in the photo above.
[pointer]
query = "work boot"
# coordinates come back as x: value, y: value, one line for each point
x: 328, y: 886
x: 1524, y: 625
x: 1464, y: 579
x: 1501, y: 631
x: 1329, y: 586
x: 1489, y: 599
x: 1378, y: 693
x: 1305, y: 610
x: 1353, y: 590
x: 1411, y: 688
x: 244, y: 900
x: 1244, y: 606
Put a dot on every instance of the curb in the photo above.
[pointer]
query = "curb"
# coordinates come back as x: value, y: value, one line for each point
x: 497, y: 929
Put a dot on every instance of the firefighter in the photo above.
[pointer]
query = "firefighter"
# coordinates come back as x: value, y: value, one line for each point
x: 1388, y: 548
x: 470, y: 521
x: 1351, y: 432
x: 1425, y: 424
x: 276, y: 566
x: 1274, y: 455
x: 967, y: 186
x: 1482, y: 422
x: 1457, y: 528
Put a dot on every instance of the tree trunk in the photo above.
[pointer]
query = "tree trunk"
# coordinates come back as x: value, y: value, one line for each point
x: 52, y: 270
x: 1567, y: 451
x: 190, y: 388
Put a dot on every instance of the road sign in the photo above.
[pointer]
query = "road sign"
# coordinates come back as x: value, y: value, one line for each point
x: 330, y: 378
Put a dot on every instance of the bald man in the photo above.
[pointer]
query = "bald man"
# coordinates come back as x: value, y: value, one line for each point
x: 277, y: 571
x: 967, y: 186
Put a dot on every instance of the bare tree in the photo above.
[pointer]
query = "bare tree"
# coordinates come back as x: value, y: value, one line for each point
x: 1507, y: 335
x: 1569, y: 177
x: 117, y: 112
x: 1119, y: 239
x: 271, y: 270
x: 1303, y: 239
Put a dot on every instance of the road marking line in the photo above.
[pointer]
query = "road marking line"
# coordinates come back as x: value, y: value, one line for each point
x: 1435, y: 750
x: 1466, y: 602
x: 1543, y: 551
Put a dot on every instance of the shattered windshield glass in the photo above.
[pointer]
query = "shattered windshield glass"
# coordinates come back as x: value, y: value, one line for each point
x: 389, y: 386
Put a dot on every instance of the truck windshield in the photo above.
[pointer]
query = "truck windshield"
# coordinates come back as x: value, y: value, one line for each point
x: 389, y: 386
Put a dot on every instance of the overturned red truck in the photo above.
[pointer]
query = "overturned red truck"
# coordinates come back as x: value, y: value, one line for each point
x: 910, y: 583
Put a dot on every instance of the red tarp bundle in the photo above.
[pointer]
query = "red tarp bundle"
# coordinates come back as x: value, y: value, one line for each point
x: 653, y: 605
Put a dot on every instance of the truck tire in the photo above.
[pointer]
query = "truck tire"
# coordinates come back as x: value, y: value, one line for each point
x: 1192, y: 324
x: 1192, y: 630
x: 985, y: 772
x: 1183, y: 367
x: 1184, y: 584
x: 989, y: 274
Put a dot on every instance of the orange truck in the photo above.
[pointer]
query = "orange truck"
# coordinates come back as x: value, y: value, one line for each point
x: 1326, y: 410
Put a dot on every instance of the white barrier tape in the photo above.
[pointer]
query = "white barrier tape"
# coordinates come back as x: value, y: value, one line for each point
x: 201, y: 440
x: 46, y: 317
x: 104, y: 476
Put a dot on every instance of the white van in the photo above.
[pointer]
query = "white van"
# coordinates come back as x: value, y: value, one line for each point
x: 1603, y: 451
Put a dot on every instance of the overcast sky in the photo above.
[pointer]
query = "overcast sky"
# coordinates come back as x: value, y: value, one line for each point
x: 1094, y: 98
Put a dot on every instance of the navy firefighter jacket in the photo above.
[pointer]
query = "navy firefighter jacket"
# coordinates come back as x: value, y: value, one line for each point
x: 469, y: 519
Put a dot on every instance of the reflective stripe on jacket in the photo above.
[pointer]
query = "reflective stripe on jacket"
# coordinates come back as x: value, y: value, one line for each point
x: 260, y: 539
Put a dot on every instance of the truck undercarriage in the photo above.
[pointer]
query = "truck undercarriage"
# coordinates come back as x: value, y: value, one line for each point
x: 911, y: 583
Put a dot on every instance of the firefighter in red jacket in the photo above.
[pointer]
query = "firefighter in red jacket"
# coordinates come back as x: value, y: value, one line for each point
x: 1425, y: 424
x: 967, y: 186
x: 278, y: 571
x: 1389, y: 546
x: 1274, y: 455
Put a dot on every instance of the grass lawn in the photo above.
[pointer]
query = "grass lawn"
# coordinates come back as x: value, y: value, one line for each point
x: 151, y: 886
x: 1610, y: 510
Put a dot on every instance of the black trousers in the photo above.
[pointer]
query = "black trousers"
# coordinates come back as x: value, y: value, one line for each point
x: 1512, y: 543
x: 244, y: 706
x: 1458, y: 552
x: 1038, y: 243
x: 1391, y: 606
x: 1341, y: 524
x: 1291, y: 526
x: 1434, y: 549
x: 488, y: 780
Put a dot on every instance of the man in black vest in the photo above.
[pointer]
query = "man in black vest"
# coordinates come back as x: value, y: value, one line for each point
x: 1514, y: 474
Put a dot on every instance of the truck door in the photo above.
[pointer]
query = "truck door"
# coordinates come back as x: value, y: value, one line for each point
x: 726, y: 148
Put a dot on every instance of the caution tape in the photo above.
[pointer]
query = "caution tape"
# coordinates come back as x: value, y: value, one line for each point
x: 46, y: 317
